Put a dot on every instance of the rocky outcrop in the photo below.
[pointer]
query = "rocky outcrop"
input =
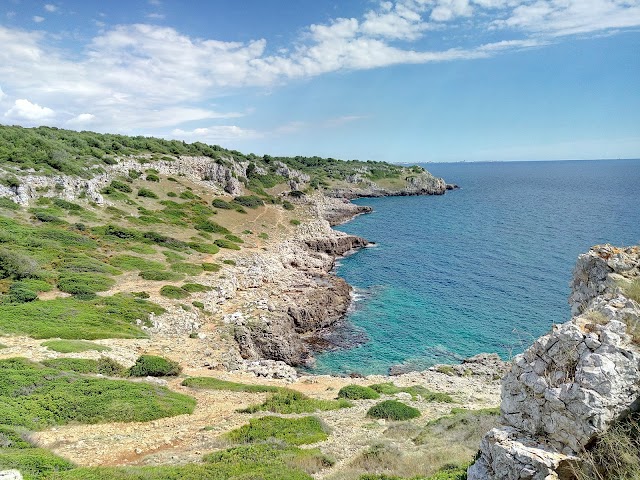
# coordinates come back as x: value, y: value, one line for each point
x: 336, y: 246
x: 422, y: 183
x: 572, y: 383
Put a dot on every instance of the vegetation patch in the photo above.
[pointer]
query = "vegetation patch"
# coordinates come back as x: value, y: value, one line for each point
x: 632, y: 289
x: 208, y: 248
x: 210, y: 383
x: 249, y: 201
x: 211, y: 267
x: 131, y: 262
x: 161, y: 276
x: 358, y: 392
x: 234, y: 238
x: 191, y: 269
x: 210, y: 227
x: 393, y: 410
x: 154, y: 366
x: 84, y: 283
x: 290, y: 401
x: 33, y: 463
x: 74, y: 346
x: 414, y: 390
x: 145, y: 192
x: 196, y: 287
x: 174, y: 293
x: 219, y: 203
x: 70, y: 318
x: 224, y: 243
x: 35, y: 396
x: 294, y: 431
x: 78, y: 365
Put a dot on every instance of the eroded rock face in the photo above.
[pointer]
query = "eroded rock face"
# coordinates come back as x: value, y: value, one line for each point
x: 572, y: 383
x: 419, y: 184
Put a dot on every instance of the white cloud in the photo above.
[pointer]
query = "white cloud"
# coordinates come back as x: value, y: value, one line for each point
x: 38, y: 19
x: 216, y: 133
x: 50, y: 7
x: 23, y: 109
x: 156, y: 16
x: 82, y: 119
x: 2, y: 94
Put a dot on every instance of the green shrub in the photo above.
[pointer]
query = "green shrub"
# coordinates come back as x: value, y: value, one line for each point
x: 70, y: 318
x: 234, y: 238
x: 250, y: 201
x: 19, y: 293
x: 294, y: 222
x: 632, y: 289
x: 134, y: 174
x: 172, y: 194
x: 154, y: 366
x: 33, y: 463
x: 228, y: 261
x: 187, y: 195
x: 393, y: 410
x: 145, y: 192
x: 219, y: 203
x: 121, y: 186
x: 175, y: 293
x: 110, y: 368
x: 35, y: 396
x: 142, y: 249
x: 211, y: 227
x: 152, y: 177
x: 161, y: 276
x: 211, y: 267
x: 74, y: 346
x: 34, y: 284
x: 414, y: 390
x: 263, y: 236
x: 209, y: 248
x: 197, y: 304
x: 196, y: 287
x: 84, y: 283
x: 46, y: 217
x: 72, y: 207
x: 187, y: 268
x: 357, y: 392
x: 78, y: 365
x: 223, y: 243
x: 288, y: 205
x: 131, y: 262
x: 13, y: 438
x: 16, y: 265
x: 173, y: 256
x: 291, y: 401
x: 294, y: 431
x: 210, y: 383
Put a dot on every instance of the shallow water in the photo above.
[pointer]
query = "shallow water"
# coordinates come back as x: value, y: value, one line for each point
x: 482, y: 269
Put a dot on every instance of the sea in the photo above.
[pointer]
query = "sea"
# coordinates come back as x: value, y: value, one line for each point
x: 485, y: 268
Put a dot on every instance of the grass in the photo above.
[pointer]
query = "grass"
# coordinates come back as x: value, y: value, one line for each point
x: 294, y: 431
x: 131, y: 262
x: 154, y: 366
x: 84, y: 283
x: 414, y: 390
x: 73, y: 319
x: 632, y: 289
x: 246, y: 462
x: 290, y: 401
x: 191, y: 269
x: 35, y: 397
x: 196, y: 287
x: 73, y: 346
x: 33, y: 463
x: 228, y: 244
x: 393, y: 410
x: 173, y: 292
x: 211, y: 267
x: 78, y: 365
x: 210, y: 383
x: 357, y: 392
x: 161, y: 276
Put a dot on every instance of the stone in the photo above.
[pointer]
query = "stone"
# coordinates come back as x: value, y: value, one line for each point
x: 10, y: 475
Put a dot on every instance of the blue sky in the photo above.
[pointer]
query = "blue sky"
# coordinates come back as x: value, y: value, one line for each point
x: 402, y: 81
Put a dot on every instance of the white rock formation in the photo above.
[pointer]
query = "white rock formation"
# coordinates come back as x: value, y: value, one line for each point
x: 572, y: 383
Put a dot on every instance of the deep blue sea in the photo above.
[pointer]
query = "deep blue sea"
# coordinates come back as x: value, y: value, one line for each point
x: 482, y: 269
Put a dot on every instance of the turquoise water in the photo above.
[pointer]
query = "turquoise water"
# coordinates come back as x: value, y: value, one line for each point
x: 482, y: 269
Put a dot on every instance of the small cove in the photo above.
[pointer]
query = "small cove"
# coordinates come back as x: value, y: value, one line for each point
x: 482, y: 269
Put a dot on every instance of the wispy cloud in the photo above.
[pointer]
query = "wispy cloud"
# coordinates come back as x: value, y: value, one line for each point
x: 131, y: 76
x: 49, y: 7
x: 38, y: 19
x: 216, y: 133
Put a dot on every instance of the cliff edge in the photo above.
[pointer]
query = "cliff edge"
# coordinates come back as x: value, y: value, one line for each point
x: 574, y: 382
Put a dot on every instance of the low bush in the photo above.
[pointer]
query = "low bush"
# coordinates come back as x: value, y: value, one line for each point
x: 84, y: 283
x: 294, y: 222
x: 211, y: 227
x: 187, y: 195
x: 35, y: 397
x: 414, y: 390
x: 210, y: 383
x: 152, y: 177
x: 209, y: 248
x: 228, y: 261
x: 291, y: 401
x: 250, y: 201
x: 219, y: 203
x: 187, y: 268
x: 288, y: 205
x: 196, y: 287
x: 224, y: 243
x: 632, y: 289
x: 78, y: 365
x: 131, y: 262
x: 8, y: 204
x: 145, y: 192
x: 161, y: 276
x: 70, y: 206
x: 294, y: 431
x: 393, y: 410
x: 20, y: 293
x: 154, y: 366
x: 121, y: 186
x: 33, y: 463
x: 211, y: 267
x: 17, y: 265
x: 234, y: 238
x: 74, y: 346
x: 174, y: 293
x: 358, y: 392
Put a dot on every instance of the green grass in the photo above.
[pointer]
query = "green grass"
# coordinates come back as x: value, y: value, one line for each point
x: 73, y: 346
x: 131, y: 262
x: 224, y: 243
x: 195, y: 287
x: 84, y: 283
x: 210, y: 383
x: 357, y: 392
x: 208, y: 248
x: 234, y: 238
x: 142, y: 249
x: 33, y: 463
x: 246, y: 462
x: 211, y: 267
x: 78, y: 365
x: 210, y: 227
x: 154, y: 366
x: 219, y: 203
x: 145, y: 192
x: 414, y: 390
x: 294, y: 431
x: 72, y: 319
x: 174, y: 293
x: 393, y: 410
x: 35, y: 397
x: 191, y: 269
x: 161, y: 276
x: 289, y: 401
x: 173, y: 256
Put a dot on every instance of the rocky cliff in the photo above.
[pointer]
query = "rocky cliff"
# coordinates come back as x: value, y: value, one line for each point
x: 572, y: 383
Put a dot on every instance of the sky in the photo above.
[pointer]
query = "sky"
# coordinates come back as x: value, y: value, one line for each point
x: 399, y: 81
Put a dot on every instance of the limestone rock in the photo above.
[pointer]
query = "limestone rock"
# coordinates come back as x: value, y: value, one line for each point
x: 572, y: 383
x: 10, y: 475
